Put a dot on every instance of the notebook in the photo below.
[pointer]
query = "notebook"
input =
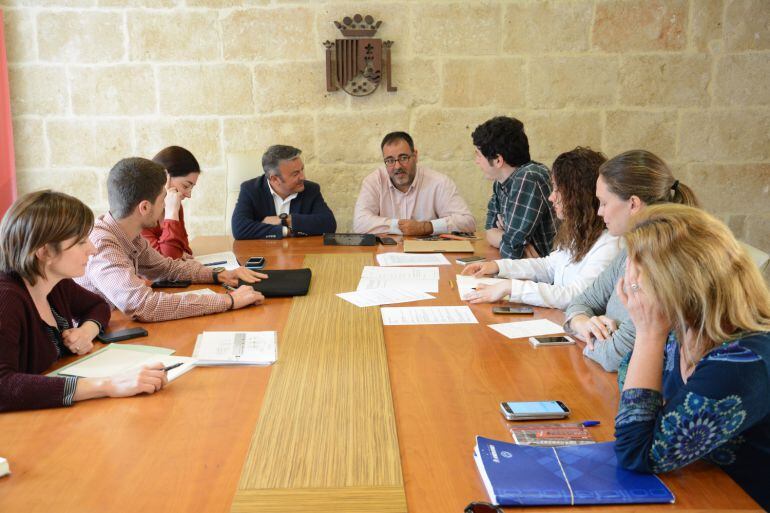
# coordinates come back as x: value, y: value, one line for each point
x: 520, y: 475
x: 236, y: 348
x: 119, y: 358
x: 283, y: 283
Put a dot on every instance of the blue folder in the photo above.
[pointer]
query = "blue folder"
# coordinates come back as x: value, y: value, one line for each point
x: 520, y: 475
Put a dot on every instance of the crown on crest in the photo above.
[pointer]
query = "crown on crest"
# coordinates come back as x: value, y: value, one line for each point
x: 358, y: 26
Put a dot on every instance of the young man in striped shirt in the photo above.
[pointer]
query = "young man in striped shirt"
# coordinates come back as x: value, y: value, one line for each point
x: 520, y: 220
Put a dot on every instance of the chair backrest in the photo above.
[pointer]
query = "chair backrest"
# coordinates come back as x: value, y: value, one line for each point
x: 760, y: 257
x: 241, y: 166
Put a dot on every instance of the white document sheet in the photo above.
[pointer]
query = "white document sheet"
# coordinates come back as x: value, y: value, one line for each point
x: 205, y: 292
x: 386, y: 296
x: 415, y: 279
x: 118, y: 360
x: 526, y: 329
x: 236, y: 348
x: 465, y: 284
x: 224, y: 259
x: 392, y: 259
x: 405, y: 316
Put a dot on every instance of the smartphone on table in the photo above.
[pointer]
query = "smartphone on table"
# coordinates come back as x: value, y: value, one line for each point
x: 386, y: 241
x: 561, y: 340
x: 255, y: 263
x: 534, y: 410
x: 119, y: 336
x: 513, y: 310
x: 469, y: 259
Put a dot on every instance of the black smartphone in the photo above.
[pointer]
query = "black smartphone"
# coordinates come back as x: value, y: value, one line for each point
x: 168, y: 284
x: 469, y: 259
x: 256, y: 262
x: 387, y: 241
x: 118, y: 336
x: 467, y: 235
x: 534, y: 410
x: 518, y: 310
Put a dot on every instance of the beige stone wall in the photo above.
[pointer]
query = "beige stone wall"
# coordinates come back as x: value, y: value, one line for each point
x: 96, y: 80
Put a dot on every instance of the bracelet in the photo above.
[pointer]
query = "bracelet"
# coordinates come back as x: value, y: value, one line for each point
x: 232, y: 301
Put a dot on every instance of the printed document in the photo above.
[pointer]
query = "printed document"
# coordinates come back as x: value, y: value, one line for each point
x: 419, y: 279
x: 236, y: 348
x: 384, y: 296
x: 526, y: 329
x: 466, y: 284
x: 405, y: 316
x: 391, y: 259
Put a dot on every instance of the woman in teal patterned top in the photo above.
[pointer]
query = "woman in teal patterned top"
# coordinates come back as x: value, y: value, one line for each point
x: 697, y: 384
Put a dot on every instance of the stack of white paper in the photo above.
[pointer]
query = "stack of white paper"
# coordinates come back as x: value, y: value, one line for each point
x: 525, y: 329
x: 407, y: 316
x: 420, y: 279
x: 236, y: 348
x: 391, y: 259
x: 224, y: 259
x: 466, y: 284
x: 376, y: 297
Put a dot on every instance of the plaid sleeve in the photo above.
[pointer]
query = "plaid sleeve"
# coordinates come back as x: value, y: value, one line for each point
x: 492, y: 210
x: 524, y: 207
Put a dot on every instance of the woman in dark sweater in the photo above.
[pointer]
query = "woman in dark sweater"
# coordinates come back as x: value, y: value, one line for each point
x: 44, y: 315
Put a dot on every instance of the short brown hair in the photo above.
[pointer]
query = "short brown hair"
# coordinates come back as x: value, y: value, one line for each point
x: 37, y: 219
x: 177, y: 161
x: 574, y: 175
x: 132, y: 181
x: 643, y: 174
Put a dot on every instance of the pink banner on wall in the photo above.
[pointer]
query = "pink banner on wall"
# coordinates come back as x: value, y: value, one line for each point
x: 7, y: 169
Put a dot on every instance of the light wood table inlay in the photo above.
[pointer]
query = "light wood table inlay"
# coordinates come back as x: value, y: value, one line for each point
x: 326, y: 437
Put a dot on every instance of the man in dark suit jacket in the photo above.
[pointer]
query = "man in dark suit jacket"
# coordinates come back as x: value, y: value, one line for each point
x: 281, y: 203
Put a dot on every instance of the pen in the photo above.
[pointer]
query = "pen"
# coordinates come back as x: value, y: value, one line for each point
x: 216, y: 263
x: 589, y: 423
x: 228, y: 287
x: 170, y: 367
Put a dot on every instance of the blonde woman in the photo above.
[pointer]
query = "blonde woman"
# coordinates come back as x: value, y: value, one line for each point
x: 627, y: 184
x: 697, y: 384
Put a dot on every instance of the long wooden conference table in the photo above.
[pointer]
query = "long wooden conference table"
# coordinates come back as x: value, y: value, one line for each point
x: 199, y: 444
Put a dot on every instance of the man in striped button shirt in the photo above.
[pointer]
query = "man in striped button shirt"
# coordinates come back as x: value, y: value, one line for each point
x: 520, y: 220
x: 124, y: 260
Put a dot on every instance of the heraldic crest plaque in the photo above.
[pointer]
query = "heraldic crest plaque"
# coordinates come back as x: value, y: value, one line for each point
x: 358, y: 62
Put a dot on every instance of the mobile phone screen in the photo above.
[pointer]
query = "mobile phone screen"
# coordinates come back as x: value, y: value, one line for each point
x: 552, y: 340
x: 534, y: 408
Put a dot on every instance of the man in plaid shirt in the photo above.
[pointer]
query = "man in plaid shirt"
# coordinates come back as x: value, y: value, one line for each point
x: 124, y: 259
x: 520, y: 220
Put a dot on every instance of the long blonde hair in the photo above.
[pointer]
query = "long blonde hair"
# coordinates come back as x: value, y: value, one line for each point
x: 699, y: 274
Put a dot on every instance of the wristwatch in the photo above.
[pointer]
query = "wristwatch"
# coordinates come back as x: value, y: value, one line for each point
x: 285, y: 220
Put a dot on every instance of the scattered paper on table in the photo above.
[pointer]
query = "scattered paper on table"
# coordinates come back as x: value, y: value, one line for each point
x: 466, y: 284
x: 384, y: 296
x: 405, y: 316
x: 415, y: 279
x: 204, y: 292
x: 224, y: 259
x: 391, y: 259
x: 526, y: 329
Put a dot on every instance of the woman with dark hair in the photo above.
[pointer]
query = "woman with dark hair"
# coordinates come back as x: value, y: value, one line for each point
x: 46, y: 315
x: 627, y: 184
x: 583, y: 247
x: 170, y: 236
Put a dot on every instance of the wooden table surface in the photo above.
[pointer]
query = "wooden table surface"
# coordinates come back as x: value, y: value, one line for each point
x: 183, y: 449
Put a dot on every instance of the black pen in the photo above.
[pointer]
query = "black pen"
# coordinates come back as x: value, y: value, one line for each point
x: 228, y: 287
x: 216, y: 263
x: 171, y: 367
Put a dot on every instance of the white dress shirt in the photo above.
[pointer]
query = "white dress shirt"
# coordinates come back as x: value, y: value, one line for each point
x: 555, y: 280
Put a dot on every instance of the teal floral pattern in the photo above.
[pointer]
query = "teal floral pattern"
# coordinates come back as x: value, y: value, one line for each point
x: 695, y: 428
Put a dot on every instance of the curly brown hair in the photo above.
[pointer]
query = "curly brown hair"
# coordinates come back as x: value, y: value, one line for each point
x: 574, y: 174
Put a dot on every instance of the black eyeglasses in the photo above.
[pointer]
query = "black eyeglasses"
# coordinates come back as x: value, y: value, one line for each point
x: 482, y: 507
x: 403, y: 159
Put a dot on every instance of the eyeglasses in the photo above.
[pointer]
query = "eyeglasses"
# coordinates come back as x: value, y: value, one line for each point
x: 482, y: 507
x: 402, y: 159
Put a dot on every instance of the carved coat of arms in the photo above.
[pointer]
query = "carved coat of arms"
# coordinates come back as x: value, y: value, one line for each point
x: 357, y: 63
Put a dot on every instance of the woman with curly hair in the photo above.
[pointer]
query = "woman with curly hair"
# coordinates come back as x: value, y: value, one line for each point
x: 583, y: 247
x: 697, y: 383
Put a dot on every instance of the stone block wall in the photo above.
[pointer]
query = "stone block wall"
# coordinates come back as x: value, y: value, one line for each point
x: 93, y: 81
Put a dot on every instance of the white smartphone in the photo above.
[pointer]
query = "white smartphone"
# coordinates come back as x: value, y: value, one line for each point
x: 534, y: 410
x: 561, y: 340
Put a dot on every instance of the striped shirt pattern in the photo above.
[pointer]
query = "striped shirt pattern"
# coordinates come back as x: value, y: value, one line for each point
x: 62, y: 324
x: 521, y: 202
